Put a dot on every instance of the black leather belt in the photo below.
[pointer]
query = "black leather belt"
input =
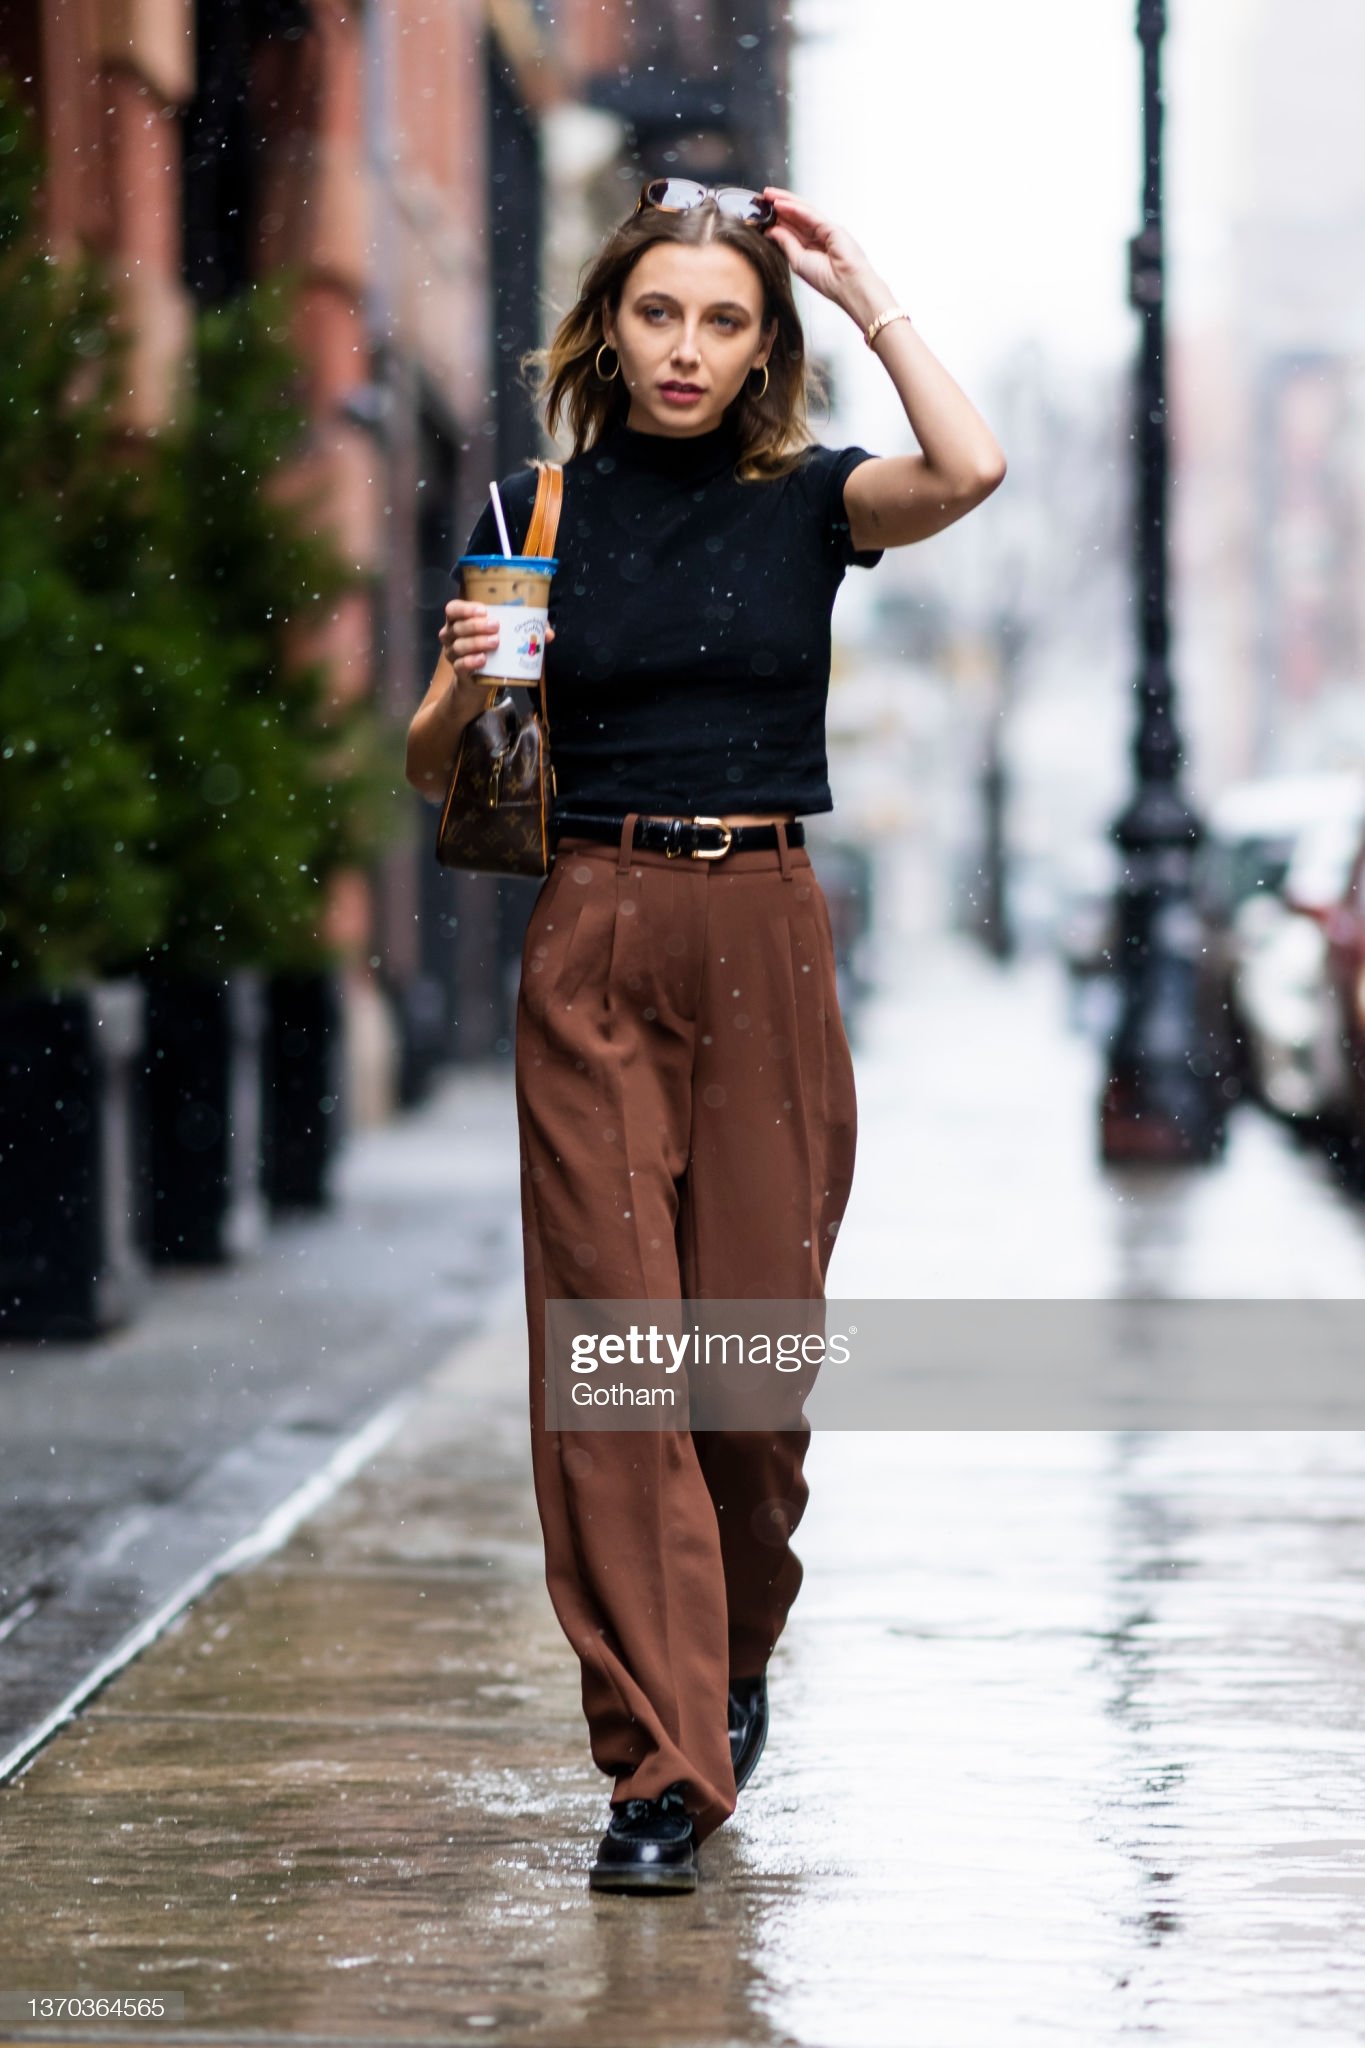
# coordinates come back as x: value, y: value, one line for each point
x: 700, y: 838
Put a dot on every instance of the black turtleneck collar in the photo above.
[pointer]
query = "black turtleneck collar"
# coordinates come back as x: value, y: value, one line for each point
x: 686, y: 457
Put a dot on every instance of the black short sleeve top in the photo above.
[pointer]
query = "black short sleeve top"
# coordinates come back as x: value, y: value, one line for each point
x: 690, y: 666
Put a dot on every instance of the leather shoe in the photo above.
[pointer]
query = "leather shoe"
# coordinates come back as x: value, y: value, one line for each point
x: 748, y: 1725
x: 650, y: 1846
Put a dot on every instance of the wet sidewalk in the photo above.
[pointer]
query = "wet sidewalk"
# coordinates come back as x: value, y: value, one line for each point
x: 133, y: 1465
x: 1067, y: 1733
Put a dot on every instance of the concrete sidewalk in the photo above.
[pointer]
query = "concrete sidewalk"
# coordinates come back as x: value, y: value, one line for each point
x: 133, y: 1466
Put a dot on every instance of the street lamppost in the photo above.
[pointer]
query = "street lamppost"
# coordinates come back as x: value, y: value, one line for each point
x: 1160, y: 1098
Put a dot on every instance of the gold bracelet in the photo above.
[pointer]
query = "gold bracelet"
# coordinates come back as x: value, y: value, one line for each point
x: 895, y: 313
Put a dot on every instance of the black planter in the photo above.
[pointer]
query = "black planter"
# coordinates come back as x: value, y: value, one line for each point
x: 199, y: 1169
x: 69, y: 1266
x: 302, y: 1093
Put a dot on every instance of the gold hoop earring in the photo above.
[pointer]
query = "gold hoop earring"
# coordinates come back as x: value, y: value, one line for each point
x: 759, y: 396
x: 597, y: 362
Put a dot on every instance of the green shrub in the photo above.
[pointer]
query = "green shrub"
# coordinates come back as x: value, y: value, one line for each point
x: 173, y: 787
x: 267, y: 785
x: 78, y: 885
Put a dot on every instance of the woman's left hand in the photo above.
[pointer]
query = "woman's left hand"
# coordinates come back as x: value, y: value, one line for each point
x: 822, y: 255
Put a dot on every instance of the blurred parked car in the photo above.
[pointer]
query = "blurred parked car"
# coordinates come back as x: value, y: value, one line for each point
x: 1283, y: 986
x: 1253, y: 833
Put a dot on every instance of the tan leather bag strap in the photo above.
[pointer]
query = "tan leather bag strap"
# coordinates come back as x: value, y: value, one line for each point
x: 540, y: 534
x: 540, y: 540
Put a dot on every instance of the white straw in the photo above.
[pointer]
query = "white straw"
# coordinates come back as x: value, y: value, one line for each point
x: 502, y: 523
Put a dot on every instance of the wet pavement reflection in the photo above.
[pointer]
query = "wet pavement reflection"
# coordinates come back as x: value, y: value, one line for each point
x: 1109, y: 1736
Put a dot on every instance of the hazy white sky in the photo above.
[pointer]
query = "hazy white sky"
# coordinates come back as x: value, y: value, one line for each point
x: 987, y: 156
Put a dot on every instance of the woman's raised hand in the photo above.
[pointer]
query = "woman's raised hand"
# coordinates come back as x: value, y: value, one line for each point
x: 469, y: 636
x: 824, y: 256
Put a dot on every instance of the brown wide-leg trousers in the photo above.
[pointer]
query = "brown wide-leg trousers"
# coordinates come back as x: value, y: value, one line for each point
x: 687, y: 1122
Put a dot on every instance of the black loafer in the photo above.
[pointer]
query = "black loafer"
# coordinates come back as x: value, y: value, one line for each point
x: 748, y: 1725
x: 650, y: 1846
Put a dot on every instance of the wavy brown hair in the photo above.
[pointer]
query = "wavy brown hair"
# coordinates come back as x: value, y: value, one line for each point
x: 774, y: 429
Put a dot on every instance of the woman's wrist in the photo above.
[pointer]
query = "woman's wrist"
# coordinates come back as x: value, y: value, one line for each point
x: 435, y: 733
x: 864, y: 297
x: 466, y: 690
x: 452, y: 709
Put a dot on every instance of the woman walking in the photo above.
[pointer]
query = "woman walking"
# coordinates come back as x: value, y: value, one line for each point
x: 684, y: 1087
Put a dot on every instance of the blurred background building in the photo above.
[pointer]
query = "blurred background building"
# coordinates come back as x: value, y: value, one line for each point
x: 1274, y: 403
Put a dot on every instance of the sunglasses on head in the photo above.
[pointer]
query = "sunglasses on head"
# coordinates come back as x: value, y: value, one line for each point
x: 681, y: 195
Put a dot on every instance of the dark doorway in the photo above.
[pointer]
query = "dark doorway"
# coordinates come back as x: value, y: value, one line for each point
x: 222, y: 140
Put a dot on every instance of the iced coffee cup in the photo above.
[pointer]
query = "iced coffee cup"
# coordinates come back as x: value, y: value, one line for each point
x: 515, y: 592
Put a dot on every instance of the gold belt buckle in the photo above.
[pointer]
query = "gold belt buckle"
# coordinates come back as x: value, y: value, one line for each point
x: 712, y: 852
